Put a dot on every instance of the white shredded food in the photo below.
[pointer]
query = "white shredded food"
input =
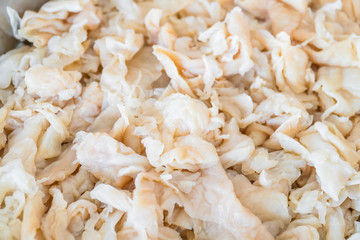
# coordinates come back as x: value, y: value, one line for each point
x: 182, y: 119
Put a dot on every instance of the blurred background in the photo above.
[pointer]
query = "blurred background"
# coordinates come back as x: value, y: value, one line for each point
x: 7, y: 42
